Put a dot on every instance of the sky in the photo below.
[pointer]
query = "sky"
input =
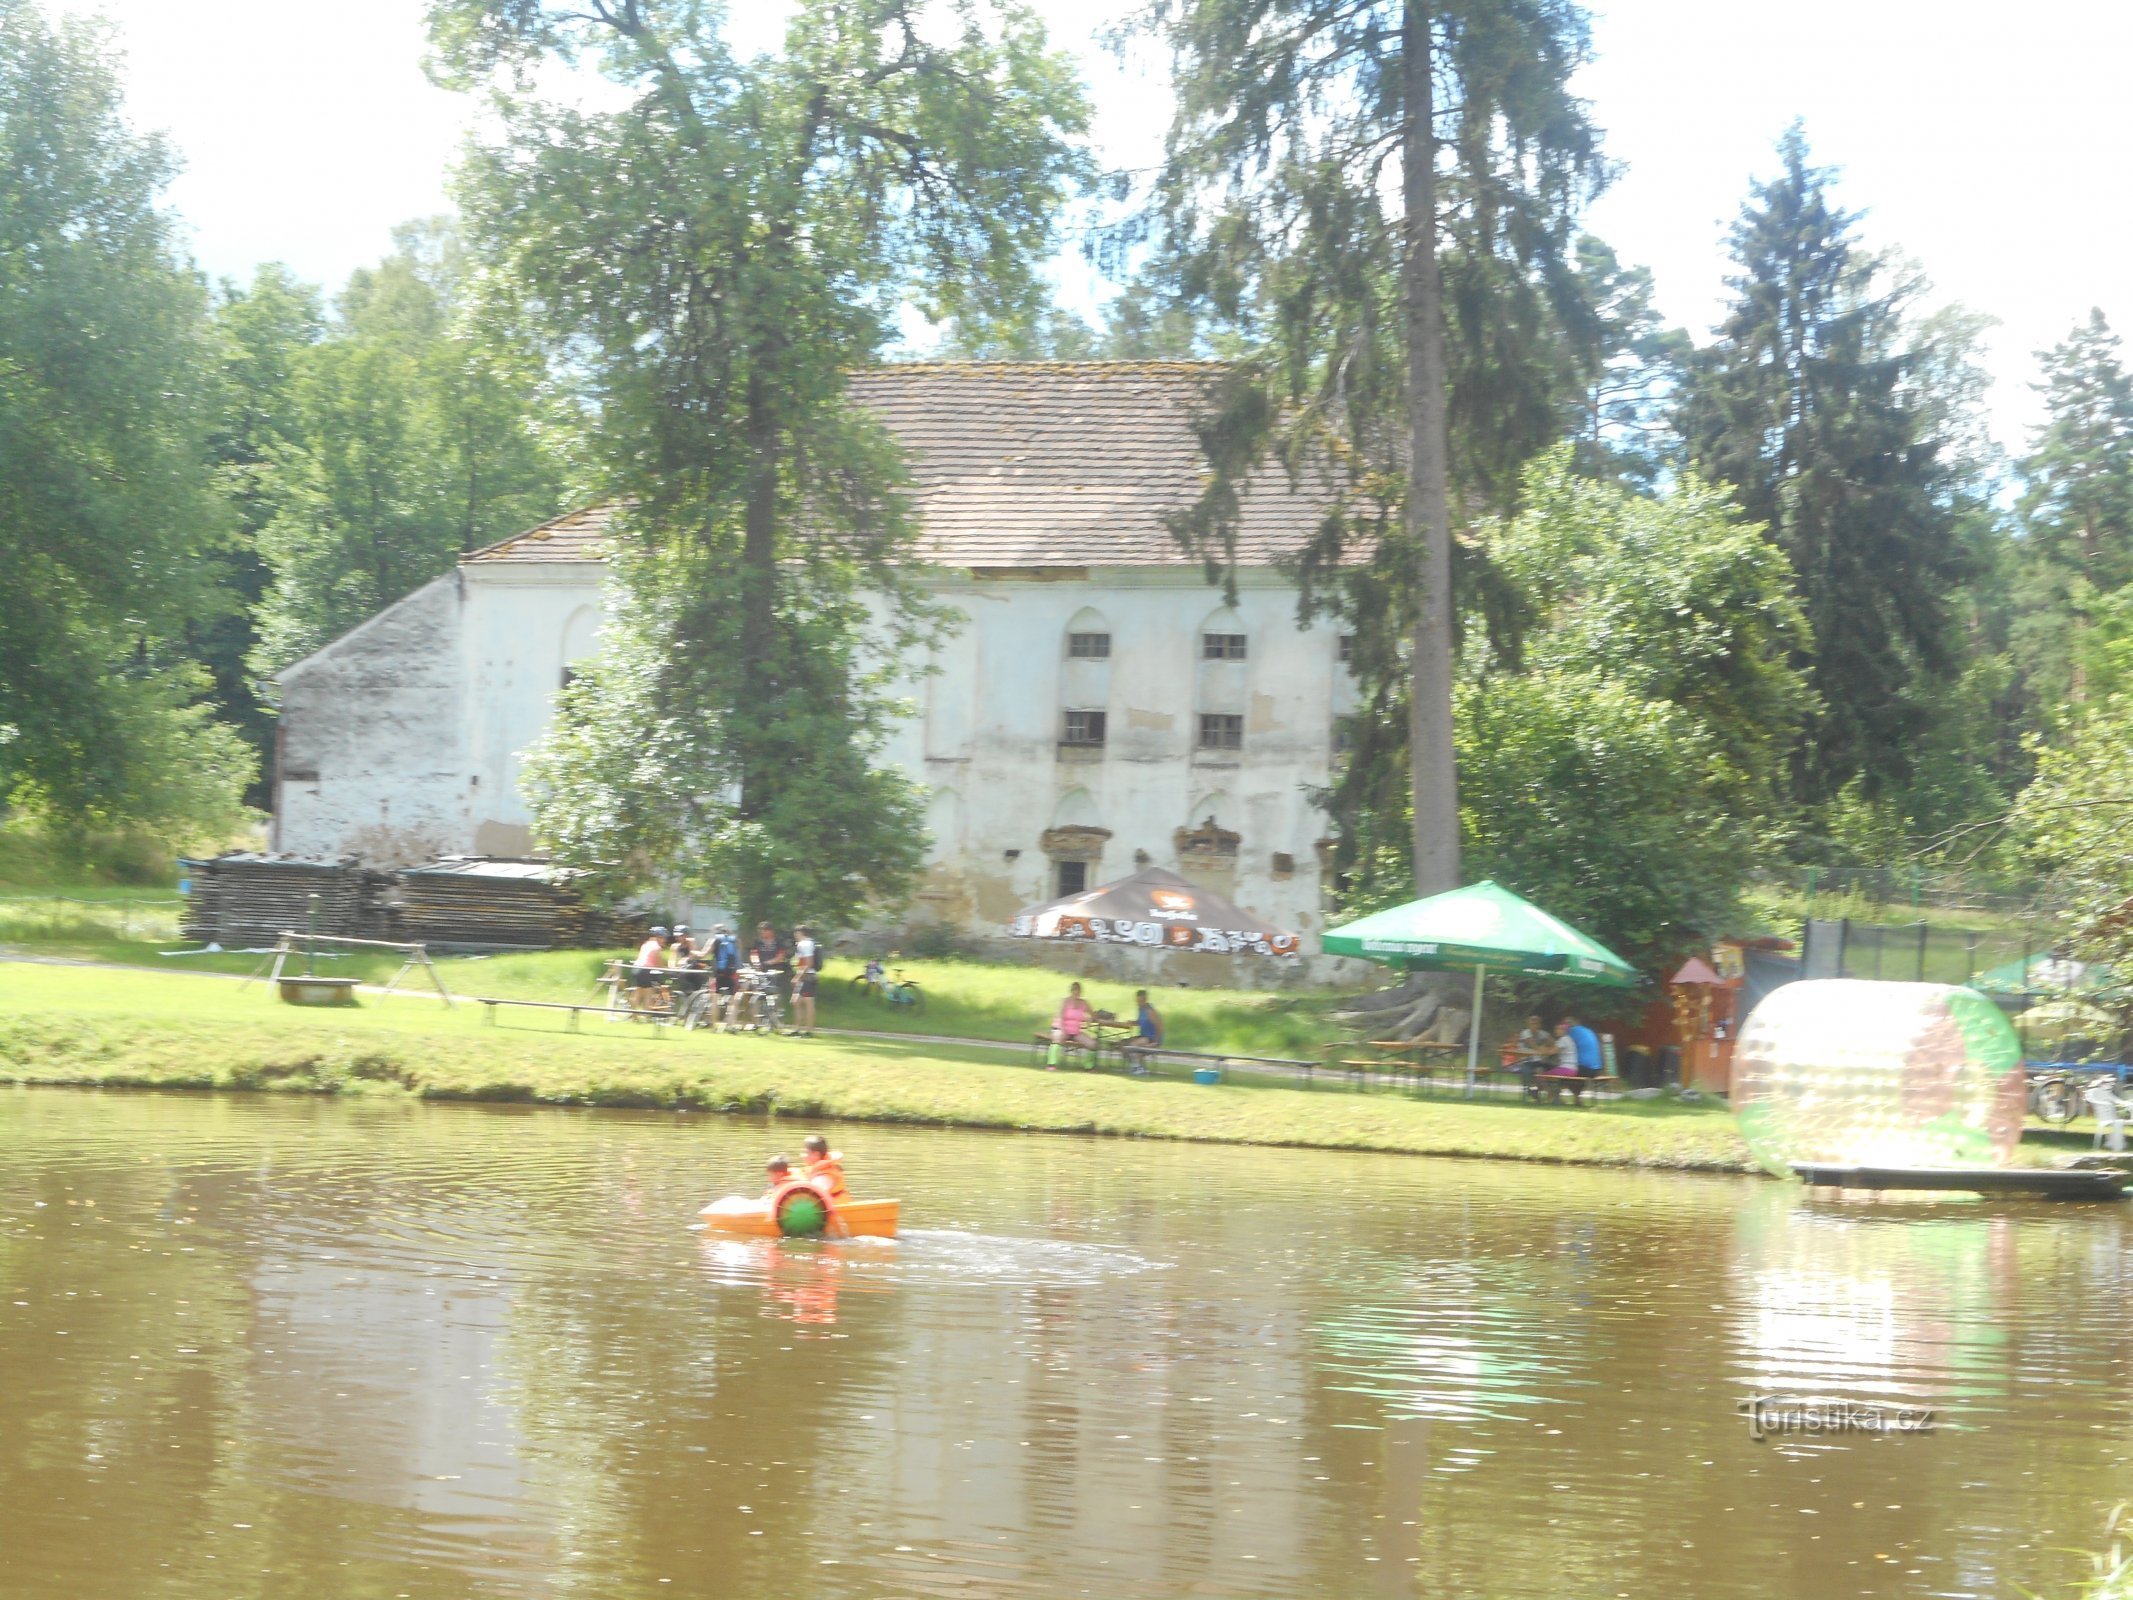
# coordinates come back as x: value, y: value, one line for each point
x: 1990, y: 144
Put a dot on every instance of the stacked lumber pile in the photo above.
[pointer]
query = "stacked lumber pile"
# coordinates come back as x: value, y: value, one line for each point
x: 248, y: 898
x: 489, y: 901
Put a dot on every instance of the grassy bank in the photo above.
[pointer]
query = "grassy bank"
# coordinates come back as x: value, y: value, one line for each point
x: 78, y: 1026
x: 967, y: 999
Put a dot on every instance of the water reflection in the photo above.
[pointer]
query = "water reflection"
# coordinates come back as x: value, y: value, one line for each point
x: 262, y: 1347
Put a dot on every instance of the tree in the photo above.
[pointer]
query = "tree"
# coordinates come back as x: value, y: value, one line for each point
x: 1604, y: 806
x: 1677, y: 599
x: 1384, y: 191
x: 1622, y: 423
x: 723, y: 249
x: 264, y: 327
x: 2076, y: 823
x: 109, y: 519
x: 1808, y: 406
x: 2077, y: 505
x: 422, y: 427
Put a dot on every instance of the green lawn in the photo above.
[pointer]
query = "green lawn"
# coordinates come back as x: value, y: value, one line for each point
x: 62, y: 1025
x: 967, y: 999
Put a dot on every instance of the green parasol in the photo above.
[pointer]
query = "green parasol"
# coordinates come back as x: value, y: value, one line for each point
x: 1481, y: 929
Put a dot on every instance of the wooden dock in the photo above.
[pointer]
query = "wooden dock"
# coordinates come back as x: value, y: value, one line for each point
x: 2040, y: 1183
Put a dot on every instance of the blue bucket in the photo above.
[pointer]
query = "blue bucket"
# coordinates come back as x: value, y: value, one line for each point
x: 1206, y: 1074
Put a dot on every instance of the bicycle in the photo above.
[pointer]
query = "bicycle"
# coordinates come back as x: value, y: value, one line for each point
x: 754, y: 1003
x: 891, y: 990
x: 2060, y: 1095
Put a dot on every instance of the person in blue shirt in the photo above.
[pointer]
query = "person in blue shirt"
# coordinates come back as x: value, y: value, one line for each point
x: 1587, y: 1043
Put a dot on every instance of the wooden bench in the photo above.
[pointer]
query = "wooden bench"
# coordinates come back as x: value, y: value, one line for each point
x: 1556, y: 1081
x: 489, y: 1005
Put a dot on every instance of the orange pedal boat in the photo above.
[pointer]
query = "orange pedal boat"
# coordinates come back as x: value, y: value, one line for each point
x: 753, y: 1219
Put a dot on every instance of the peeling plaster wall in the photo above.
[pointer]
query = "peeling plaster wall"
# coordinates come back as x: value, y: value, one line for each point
x: 1010, y: 773
x: 402, y: 739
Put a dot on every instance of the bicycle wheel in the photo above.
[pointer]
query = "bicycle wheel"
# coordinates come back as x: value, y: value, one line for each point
x: 860, y: 986
x: 2057, y: 1100
x: 913, y: 999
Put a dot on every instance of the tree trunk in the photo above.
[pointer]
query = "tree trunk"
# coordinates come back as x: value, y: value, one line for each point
x: 759, y: 572
x: 1429, y: 729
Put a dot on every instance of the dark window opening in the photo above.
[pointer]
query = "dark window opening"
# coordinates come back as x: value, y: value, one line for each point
x: 1347, y: 648
x: 1089, y: 646
x: 1084, y: 728
x: 1073, y: 877
x: 1220, y: 731
x: 570, y: 676
x: 1284, y: 864
x: 1221, y: 647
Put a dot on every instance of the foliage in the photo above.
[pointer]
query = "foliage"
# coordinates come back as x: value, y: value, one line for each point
x: 2076, y: 822
x: 109, y: 521
x: 1416, y: 335
x: 1677, y: 599
x: 417, y: 431
x: 721, y: 249
x: 1602, y: 806
x: 1809, y: 406
x: 1622, y: 420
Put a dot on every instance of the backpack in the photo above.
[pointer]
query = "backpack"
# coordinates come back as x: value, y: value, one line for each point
x: 725, y: 953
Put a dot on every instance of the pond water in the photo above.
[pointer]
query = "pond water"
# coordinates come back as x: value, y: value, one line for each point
x: 269, y: 1346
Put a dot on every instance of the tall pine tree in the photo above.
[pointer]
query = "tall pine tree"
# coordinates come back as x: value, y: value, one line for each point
x: 2077, y: 508
x: 1808, y: 406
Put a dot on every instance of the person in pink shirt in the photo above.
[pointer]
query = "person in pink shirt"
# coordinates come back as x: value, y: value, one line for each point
x: 1066, y: 1029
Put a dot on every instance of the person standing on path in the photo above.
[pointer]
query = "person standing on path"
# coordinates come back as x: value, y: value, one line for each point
x: 806, y: 976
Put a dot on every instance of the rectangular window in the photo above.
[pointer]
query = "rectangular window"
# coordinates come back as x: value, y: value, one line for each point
x: 1221, y: 647
x: 1073, y: 877
x: 1220, y: 731
x: 1347, y: 648
x: 1084, y: 727
x: 1089, y: 646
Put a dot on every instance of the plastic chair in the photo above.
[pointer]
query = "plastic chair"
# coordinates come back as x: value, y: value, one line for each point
x: 2110, y: 1114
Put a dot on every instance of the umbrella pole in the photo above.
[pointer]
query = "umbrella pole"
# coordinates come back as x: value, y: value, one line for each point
x: 1473, y: 1030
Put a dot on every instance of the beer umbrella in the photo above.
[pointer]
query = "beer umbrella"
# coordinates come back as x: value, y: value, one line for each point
x: 1481, y: 929
x: 1156, y: 909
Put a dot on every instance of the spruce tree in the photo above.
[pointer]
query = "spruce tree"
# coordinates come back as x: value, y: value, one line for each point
x: 2077, y: 510
x: 1809, y: 406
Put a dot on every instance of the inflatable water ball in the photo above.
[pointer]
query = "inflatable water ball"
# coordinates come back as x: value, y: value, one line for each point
x: 1878, y: 1074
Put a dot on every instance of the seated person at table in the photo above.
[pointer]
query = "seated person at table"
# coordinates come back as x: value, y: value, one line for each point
x: 1147, y: 1021
x: 1067, y: 1027
x: 1534, y: 1048
x: 1590, y: 1062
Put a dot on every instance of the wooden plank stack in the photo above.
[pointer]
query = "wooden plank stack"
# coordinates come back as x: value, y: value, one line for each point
x: 488, y: 901
x: 248, y: 898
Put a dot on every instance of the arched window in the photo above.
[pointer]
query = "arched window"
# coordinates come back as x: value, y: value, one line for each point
x: 1075, y: 843
x: 1088, y: 636
x: 581, y: 639
x: 1085, y: 682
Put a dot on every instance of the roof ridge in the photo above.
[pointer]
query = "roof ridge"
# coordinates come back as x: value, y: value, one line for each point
x: 981, y: 364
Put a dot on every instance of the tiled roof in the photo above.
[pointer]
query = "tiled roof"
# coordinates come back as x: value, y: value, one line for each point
x: 1066, y: 463
x: 1035, y: 464
x: 574, y: 536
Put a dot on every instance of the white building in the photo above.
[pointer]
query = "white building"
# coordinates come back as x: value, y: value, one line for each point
x: 1100, y: 706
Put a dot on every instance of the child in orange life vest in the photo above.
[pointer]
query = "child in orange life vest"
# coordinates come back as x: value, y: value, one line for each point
x: 825, y: 1169
x: 777, y: 1172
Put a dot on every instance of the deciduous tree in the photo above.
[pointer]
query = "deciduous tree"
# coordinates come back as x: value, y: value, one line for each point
x: 722, y: 248
x: 109, y: 519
